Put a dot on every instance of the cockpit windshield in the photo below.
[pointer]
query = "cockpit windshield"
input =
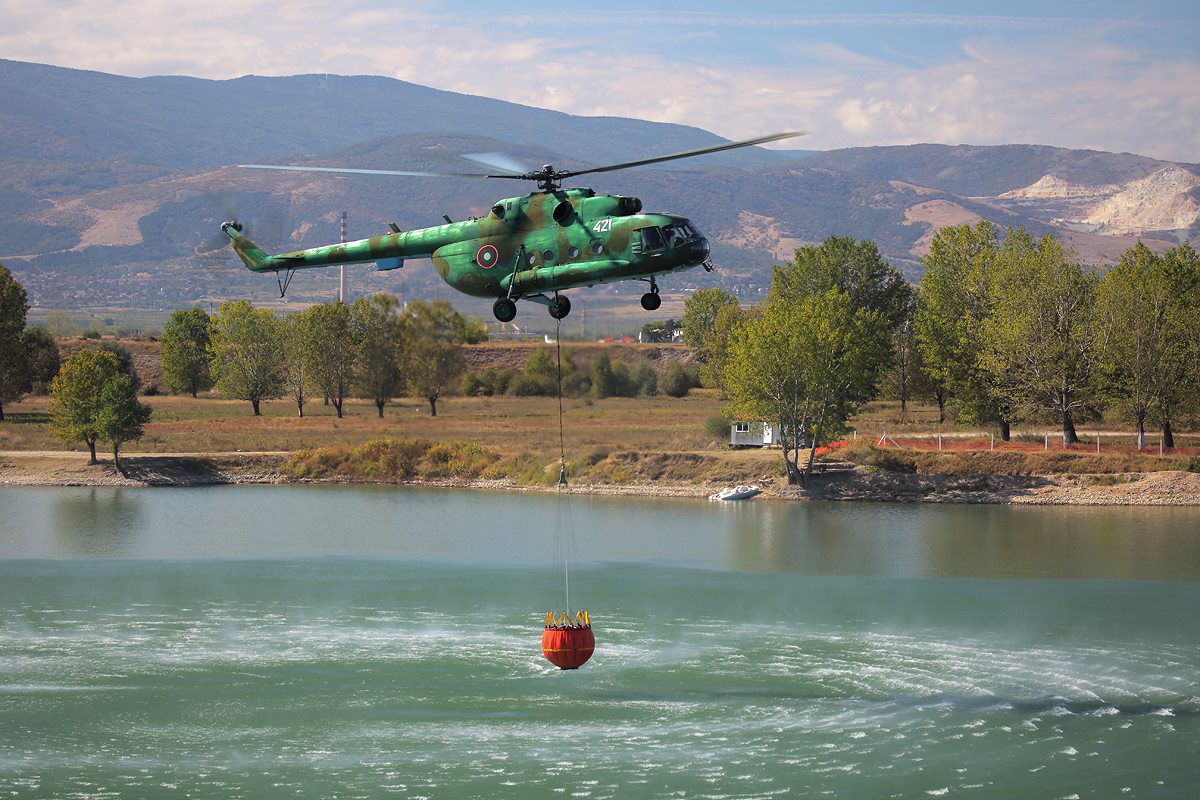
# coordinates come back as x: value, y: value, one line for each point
x: 678, y: 233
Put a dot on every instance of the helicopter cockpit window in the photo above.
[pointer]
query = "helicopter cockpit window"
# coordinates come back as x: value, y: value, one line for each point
x: 651, y: 239
x: 676, y: 234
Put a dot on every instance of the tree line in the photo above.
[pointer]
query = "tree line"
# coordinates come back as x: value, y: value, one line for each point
x: 369, y: 349
x: 1008, y: 328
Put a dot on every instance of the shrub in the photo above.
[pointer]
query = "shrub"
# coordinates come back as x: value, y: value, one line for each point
x: 677, y: 382
x: 1191, y: 464
x: 717, y: 428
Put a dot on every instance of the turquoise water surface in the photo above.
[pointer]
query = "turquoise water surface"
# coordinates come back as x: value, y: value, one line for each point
x: 346, y: 642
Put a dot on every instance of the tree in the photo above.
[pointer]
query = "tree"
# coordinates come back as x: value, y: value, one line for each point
x: 434, y: 359
x: 295, y: 379
x: 328, y: 349
x: 379, y: 335
x: 246, y: 346
x: 1180, y: 394
x: 44, y: 359
x: 604, y: 383
x: 854, y: 267
x: 1145, y: 308
x: 676, y: 382
x: 900, y: 382
x: 954, y: 301
x: 121, y: 416
x: 807, y: 363
x: 124, y: 362
x: 185, y: 361
x: 1039, y: 340
x: 14, y: 358
x: 662, y: 331
x: 77, y: 393
x: 708, y: 317
x: 700, y: 314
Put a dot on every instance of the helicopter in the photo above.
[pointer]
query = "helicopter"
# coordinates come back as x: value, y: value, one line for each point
x: 532, y: 247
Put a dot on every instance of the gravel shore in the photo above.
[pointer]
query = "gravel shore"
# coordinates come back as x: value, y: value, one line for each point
x: 49, y: 468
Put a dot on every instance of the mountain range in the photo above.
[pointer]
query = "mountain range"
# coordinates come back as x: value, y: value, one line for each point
x: 112, y: 188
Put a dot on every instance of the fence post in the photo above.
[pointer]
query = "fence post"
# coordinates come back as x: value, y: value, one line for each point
x: 939, y: 442
x: 1046, y: 446
x: 993, y: 441
x: 856, y: 435
x: 1097, y: 444
x: 1160, y: 445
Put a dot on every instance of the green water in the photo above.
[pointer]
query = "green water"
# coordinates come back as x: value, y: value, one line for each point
x: 266, y: 642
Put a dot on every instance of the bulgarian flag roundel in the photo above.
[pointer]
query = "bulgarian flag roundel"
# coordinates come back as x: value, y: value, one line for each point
x: 487, y: 256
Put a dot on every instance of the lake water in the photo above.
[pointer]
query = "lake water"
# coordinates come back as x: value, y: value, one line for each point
x: 262, y: 642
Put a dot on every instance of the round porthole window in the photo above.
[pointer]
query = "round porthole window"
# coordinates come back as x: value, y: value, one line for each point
x: 548, y: 256
x: 597, y: 247
x: 531, y: 259
x: 573, y: 252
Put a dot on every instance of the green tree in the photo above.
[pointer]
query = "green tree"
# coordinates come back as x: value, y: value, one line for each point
x: 714, y: 355
x: 854, y: 267
x: 379, y: 334
x: 185, y: 360
x: 1039, y: 340
x: 1179, y: 396
x: 708, y: 317
x: 435, y: 358
x: 247, y: 350
x: 14, y: 357
x: 604, y: 383
x: 328, y: 350
x: 676, y: 381
x: 954, y: 301
x: 296, y: 381
x: 75, y: 414
x: 1146, y: 309
x: 44, y: 359
x: 700, y: 314
x: 121, y: 416
x: 807, y: 363
x: 663, y: 331
x: 124, y: 362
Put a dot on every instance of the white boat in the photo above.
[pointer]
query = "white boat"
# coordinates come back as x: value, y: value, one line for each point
x: 736, y: 493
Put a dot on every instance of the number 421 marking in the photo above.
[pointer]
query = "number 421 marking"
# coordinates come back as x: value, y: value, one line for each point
x: 603, y: 226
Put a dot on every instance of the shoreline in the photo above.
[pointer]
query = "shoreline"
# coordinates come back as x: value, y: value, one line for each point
x: 859, y: 484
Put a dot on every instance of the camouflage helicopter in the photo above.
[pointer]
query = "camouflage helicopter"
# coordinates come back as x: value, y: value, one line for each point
x: 531, y: 247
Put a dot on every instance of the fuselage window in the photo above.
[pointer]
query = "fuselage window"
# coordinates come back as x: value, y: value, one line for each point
x: 651, y: 239
x: 548, y: 256
x: 573, y: 252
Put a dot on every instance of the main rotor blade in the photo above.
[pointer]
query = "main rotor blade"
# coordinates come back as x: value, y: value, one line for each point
x: 774, y: 137
x: 349, y: 171
x: 500, y: 161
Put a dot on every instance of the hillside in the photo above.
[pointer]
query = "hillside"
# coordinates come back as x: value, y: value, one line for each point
x: 112, y: 188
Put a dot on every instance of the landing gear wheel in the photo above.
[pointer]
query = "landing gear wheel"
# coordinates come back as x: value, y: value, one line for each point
x: 505, y: 310
x: 651, y: 301
x: 559, y: 307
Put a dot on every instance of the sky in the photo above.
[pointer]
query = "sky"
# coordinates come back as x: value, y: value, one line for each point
x: 1116, y: 76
